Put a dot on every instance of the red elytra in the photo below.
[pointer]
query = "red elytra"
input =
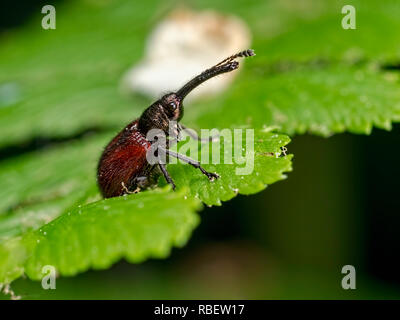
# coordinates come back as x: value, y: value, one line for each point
x: 123, y: 167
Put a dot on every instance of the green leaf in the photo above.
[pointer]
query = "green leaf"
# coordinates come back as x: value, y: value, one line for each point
x: 313, y: 30
x: 32, y: 216
x: 250, y: 171
x: 134, y: 227
x: 67, y: 169
x: 50, y: 216
x: 69, y: 172
x: 67, y: 80
x: 316, y: 99
x: 64, y: 99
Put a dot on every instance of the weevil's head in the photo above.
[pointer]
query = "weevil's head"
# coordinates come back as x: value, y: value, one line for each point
x: 163, y: 113
x: 172, y: 105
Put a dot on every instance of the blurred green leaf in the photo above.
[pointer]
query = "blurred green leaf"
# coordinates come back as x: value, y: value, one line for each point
x: 51, y: 173
x: 67, y: 80
x: 309, y: 30
x: 313, y: 98
x: 32, y: 216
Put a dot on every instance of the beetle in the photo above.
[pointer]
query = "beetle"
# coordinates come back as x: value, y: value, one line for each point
x: 123, y: 167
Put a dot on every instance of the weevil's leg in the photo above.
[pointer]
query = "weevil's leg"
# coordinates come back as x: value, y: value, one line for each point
x: 166, y: 175
x: 194, y: 163
x: 127, y: 191
x: 125, y: 188
x: 191, y: 133
x: 172, y: 139
x: 141, y: 182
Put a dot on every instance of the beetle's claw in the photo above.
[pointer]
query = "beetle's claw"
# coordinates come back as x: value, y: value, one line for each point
x: 212, y: 176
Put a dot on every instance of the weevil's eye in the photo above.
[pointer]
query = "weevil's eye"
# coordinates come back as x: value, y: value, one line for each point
x: 172, y: 105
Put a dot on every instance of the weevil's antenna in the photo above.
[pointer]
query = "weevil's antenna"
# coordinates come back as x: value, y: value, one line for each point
x: 226, y: 65
x: 242, y: 54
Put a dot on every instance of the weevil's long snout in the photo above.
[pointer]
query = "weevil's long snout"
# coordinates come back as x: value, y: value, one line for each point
x: 227, y: 65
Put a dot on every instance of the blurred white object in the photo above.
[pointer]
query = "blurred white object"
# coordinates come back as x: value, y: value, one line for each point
x: 182, y: 46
